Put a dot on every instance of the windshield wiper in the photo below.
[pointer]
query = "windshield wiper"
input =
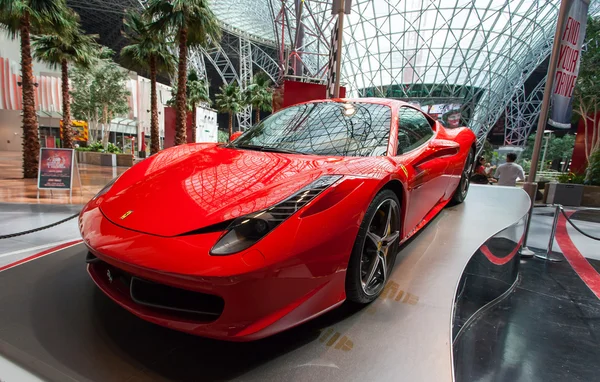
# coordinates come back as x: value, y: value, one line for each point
x: 268, y: 149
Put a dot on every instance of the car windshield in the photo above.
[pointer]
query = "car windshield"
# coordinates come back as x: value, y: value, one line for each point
x: 323, y: 128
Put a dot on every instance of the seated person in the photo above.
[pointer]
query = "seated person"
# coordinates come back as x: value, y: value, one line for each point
x: 480, y: 166
x: 481, y: 175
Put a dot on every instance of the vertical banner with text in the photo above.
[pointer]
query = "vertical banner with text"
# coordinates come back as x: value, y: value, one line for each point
x: 567, y: 69
x: 56, y: 169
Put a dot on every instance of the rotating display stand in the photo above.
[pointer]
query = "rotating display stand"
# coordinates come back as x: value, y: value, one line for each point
x: 55, y: 323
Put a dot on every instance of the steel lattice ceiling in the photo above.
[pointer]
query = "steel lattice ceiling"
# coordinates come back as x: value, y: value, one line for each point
x: 477, y: 53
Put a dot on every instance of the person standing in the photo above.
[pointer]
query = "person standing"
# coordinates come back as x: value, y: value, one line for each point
x: 508, y: 173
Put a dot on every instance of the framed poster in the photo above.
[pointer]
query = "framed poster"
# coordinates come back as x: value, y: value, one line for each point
x: 56, y: 169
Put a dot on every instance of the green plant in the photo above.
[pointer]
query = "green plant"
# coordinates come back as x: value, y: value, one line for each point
x: 99, y: 93
x: 570, y: 177
x: 526, y: 164
x: 22, y: 18
x: 260, y: 95
x: 230, y: 101
x: 193, y: 23
x: 60, y: 49
x: 223, y: 137
x: 495, y: 158
x: 96, y: 147
x: 586, y: 96
x: 488, y: 151
x: 593, y: 171
x: 558, y: 149
x: 148, y: 50
x: 112, y: 149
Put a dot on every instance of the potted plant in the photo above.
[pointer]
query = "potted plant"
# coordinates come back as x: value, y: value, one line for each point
x: 566, y: 190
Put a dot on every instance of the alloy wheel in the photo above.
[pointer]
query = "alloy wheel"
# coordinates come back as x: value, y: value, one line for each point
x: 381, y: 240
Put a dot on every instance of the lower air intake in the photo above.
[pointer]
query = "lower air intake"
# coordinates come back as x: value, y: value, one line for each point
x: 166, y: 297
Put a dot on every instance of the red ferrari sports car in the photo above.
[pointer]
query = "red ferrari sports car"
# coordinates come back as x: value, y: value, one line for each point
x: 303, y: 211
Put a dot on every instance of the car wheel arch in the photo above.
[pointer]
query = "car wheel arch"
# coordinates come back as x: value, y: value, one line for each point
x: 396, y: 186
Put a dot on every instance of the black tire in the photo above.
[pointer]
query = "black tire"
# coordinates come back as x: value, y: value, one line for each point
x: 465, y: 180
x: 368, y: 259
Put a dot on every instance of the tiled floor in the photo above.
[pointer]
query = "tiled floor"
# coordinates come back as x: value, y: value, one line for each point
x: 15, y: 189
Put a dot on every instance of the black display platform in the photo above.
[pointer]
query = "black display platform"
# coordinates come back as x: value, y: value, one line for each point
x: 547, y: 330
x: 55, y: 323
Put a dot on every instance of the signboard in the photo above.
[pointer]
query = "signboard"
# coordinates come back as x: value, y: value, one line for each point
x: 56, y: 169
x: 80, y: 130
x: 567, y: 69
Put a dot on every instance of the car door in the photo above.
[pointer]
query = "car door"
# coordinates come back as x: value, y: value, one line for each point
x: 427, y: 185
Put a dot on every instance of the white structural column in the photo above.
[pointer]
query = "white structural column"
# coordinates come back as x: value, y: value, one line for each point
x: 245, y: 57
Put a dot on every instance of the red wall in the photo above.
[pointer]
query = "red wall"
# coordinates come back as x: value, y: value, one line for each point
x: 170, y: 127
x: 579, y: 161
x: 294, y: 92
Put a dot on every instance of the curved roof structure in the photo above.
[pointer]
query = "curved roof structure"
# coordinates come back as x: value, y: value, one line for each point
x: 474, y: 53
x: 252, y: 17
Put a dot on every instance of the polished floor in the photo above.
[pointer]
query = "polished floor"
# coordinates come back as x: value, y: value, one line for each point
x: 15, y: 189
x: 547, y: 330
x: 58, y: 324
x: 16, y: 218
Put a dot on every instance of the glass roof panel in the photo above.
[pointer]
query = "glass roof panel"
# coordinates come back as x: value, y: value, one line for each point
x: 250, y: 16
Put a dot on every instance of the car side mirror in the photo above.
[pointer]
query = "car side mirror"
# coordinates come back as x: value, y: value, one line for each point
x: 235, y: 136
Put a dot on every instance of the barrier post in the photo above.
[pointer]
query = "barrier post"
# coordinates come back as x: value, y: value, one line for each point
x: 548, y: 255
x: 531, y: 189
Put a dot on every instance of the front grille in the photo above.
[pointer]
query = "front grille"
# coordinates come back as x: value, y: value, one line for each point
x: 176, y: 301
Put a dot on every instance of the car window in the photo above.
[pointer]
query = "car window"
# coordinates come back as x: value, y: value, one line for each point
x: 324, y: 128
x: 413, y: 129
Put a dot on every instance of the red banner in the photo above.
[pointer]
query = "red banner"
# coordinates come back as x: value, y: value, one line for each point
x: 567, y: 69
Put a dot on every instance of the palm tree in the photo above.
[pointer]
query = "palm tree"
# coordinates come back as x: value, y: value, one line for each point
x: 25, y: 17
x: 259, y: 95
x: 194, y: 24
x: 230, y: 101
x: 60, y: 49
x: 197, y: 93
x: 148, y: 50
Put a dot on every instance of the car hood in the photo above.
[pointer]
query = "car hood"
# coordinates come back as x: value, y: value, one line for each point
x: 194, y: 186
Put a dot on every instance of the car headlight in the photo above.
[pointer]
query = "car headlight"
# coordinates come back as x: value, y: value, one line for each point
x: 105, y: 189
x: 245, y: 231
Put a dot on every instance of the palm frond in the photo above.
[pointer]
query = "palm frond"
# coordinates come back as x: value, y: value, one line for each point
x: 194, y: 16
x: 145, y: 43
x: 230, y: 99
x: 70, y: 45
